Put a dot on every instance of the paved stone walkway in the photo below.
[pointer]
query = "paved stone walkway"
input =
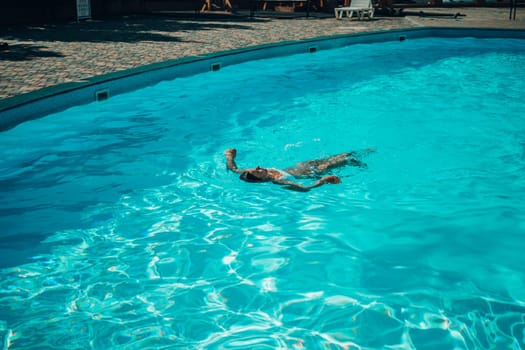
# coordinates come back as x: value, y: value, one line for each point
x: 43, y: 56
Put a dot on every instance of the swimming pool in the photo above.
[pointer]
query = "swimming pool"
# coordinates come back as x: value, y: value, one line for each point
x: 122, y: 228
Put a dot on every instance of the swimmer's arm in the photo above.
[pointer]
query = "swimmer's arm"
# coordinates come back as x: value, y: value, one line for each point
x: 230, y: 161
x: 290, y: 185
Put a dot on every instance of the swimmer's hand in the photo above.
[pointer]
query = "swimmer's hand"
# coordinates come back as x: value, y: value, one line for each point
x: 332, y: 179
x: 230, y: 161
x: 230, y: 153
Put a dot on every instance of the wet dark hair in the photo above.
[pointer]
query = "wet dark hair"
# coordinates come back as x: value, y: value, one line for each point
x: 249, y: 177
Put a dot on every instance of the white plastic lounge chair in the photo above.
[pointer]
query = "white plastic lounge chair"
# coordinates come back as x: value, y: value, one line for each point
x: 360, y: 7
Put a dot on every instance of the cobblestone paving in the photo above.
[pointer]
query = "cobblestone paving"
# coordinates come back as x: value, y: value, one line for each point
x: 43, y: 56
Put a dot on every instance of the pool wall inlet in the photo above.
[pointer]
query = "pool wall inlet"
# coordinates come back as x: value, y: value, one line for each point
x: 33, y: 105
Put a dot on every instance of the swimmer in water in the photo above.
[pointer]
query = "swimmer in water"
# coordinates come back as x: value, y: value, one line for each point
x: 312, y: 169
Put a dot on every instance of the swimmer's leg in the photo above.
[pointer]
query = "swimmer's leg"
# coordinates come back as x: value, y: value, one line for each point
x: 318, y: 167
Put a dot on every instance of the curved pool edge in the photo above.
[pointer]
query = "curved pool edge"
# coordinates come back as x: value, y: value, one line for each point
x: 39, y: 103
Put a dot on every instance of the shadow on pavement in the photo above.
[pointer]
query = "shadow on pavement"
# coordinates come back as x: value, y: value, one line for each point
x: 126, y: 30
x: 23, y: 52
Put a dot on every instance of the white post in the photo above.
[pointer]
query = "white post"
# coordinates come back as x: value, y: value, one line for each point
x: 83, y: 9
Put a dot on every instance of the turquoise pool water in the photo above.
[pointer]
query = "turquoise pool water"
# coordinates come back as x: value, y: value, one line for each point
x: 121, y: 228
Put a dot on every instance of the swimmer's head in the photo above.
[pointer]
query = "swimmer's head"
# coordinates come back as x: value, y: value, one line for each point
x: 255, y: 175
